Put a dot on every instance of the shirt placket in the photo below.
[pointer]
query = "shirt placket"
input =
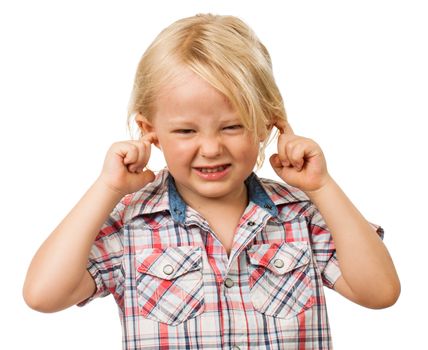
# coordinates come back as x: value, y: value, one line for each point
x: 232, y: 293
x: 236, y: 335
x: 252, y: 222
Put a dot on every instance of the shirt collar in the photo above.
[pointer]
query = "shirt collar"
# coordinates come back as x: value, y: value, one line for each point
x: 176, y: 203
x: 162, y: 194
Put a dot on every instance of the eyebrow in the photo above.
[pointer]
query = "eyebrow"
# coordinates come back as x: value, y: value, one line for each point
x: 191, y: 123
x: 180, y: 122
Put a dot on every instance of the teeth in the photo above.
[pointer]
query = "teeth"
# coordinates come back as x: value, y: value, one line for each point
x: 212, y: 170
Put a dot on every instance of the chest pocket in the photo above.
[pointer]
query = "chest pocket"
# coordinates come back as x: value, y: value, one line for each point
x: 170, y: 284
x: 280, y: 278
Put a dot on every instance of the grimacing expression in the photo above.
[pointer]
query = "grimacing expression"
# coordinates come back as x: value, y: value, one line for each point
x: 207, y: 150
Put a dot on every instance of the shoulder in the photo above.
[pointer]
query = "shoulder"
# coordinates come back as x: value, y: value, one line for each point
x: 291, y: 202
x: 281, y: 192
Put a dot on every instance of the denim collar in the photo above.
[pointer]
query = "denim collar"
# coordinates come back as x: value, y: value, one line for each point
x: 256, y: 194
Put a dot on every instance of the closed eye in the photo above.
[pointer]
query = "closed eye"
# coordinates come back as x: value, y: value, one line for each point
x: 183, y: 131
x: 234, y: 127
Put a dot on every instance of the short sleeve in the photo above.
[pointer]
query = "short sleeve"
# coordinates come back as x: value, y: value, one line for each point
x: 323, y: 247
x: 105, y: 258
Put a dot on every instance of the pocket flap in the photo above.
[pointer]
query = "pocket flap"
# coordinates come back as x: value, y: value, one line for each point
x: 171, y: 262
x: 280, y: 258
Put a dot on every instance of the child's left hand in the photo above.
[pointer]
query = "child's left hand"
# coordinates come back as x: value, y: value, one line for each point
x: 300, y: 161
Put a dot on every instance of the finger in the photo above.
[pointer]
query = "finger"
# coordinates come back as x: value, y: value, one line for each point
x: 144, y: 150
x: 282, y: 150
x: 143, y: 156
x: 296, y: 156
x: 284, y: 127
x: 275, y: 161
x: 150, y: 137
x: 128, y: 151
x: 146, y: 176
x: 276, y: 164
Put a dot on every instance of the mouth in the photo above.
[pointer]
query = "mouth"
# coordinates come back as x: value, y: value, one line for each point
x: 212, y: 169
x: 213, y: 173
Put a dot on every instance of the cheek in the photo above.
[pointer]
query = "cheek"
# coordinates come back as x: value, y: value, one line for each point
x: 245, y: 148
x: 174, y: 150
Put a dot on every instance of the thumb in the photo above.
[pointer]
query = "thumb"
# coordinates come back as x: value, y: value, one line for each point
x: 275, y: 162
x: 147, y: 176
x: 139, y: 180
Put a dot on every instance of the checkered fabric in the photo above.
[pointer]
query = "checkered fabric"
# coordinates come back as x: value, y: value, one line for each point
x: 176, y: 287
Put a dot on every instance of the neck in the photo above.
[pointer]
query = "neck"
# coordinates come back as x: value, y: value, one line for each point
x: 234, y: 202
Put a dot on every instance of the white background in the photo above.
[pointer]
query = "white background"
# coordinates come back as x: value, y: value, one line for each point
x: 354, y: 78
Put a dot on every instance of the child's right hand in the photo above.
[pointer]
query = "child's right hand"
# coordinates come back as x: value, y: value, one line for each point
x: 123, y: 169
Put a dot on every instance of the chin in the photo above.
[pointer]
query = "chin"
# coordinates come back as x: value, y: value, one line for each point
x: 219, y: 192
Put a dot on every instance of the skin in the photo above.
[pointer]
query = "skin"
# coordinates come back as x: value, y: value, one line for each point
x: 196, y: 127
x: 56, y: 281
x: 368, y: 276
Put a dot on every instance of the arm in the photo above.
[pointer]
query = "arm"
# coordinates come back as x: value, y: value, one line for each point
x: 57, y: 277
x: 368, y: 274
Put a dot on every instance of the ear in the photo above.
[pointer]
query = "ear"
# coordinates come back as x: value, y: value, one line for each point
x: 143, y: 124
x: 145, y: 127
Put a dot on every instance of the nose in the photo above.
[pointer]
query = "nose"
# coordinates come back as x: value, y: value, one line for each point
x: 211, y: 147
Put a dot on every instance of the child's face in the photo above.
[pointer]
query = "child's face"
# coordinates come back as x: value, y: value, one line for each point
x: 208, y: 151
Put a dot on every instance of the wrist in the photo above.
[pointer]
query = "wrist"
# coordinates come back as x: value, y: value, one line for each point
x: 109, y: 190
x: 327, y: 186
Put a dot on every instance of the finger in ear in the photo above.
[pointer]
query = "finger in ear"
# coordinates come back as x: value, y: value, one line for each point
x: 283, y: 126
x: 144, y: 124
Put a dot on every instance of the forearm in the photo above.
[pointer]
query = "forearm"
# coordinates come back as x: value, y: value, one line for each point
x: 58, y: 266
x: 365, y: 263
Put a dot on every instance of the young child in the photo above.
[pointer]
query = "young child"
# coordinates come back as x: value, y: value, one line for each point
x: 204, y: 254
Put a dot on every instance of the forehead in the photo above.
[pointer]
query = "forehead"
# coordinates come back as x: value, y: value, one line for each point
x: 187, y: 93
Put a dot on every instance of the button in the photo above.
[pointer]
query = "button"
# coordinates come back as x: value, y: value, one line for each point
x: 251, y: 223
x: 268, y: 206
x: 177, y: 211
x: 278, y: 263
x: 236, y: 347
x: 168, y: 269
x: 228, y: 283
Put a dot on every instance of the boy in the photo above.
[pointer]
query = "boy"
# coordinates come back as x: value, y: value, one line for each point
x: 204, y: 254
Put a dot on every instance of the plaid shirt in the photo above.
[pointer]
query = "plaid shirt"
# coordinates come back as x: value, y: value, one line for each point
x: 176, y: 287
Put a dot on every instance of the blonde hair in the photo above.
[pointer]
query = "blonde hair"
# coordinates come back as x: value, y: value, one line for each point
x: 225, y: 52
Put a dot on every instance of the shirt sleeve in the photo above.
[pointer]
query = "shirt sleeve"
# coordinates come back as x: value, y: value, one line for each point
x: 105, y: 257
x: 323, y: 247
